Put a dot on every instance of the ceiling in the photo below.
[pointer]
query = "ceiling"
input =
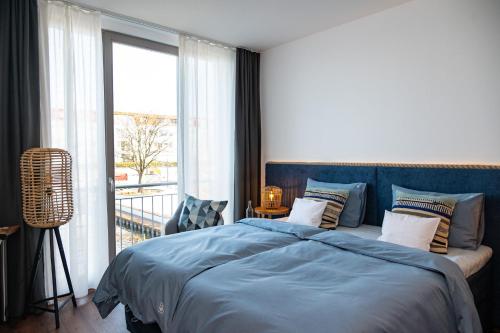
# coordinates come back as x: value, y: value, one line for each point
x: 254, y: 24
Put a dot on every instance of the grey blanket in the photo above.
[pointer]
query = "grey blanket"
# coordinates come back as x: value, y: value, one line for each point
x: 264, y: 276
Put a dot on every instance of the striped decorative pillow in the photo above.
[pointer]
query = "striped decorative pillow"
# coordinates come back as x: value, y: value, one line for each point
x: 428, y: 206
x: 335, y: 199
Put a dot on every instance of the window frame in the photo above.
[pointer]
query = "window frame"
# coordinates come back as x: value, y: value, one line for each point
x: 108, y: 38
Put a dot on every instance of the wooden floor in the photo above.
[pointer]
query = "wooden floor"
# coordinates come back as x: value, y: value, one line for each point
x: 82, y: 319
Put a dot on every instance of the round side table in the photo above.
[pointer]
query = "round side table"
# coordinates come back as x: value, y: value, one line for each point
x: 264, y: 212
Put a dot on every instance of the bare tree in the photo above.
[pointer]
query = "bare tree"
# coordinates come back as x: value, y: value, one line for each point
x: 144, y: 140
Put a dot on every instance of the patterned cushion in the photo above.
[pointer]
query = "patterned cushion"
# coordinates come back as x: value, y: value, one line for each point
x: 335, y: 198
x: 353, y: 213
x: 199, y: 214
x: 428, y: 206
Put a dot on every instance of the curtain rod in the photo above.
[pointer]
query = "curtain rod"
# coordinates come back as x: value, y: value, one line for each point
x: 144, y: 23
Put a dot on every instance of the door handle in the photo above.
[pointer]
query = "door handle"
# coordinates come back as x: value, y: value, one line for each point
x: 111, y: 183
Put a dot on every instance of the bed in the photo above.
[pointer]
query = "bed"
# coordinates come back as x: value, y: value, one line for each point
x: 469, y: 261
x: 269, y: 276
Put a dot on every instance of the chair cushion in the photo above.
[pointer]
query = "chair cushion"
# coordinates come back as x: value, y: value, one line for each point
x: 199, y: 214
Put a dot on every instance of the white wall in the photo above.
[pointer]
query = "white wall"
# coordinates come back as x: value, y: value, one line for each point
x: 416, y: 83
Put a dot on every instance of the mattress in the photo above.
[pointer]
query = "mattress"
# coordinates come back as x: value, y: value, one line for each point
x: 469, y: 261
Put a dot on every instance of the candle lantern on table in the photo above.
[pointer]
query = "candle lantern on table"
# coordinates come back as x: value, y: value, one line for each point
x: 270, y: 205
x: 271, y: 197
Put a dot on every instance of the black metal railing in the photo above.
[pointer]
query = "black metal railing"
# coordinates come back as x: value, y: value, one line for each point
x: 142, y: 214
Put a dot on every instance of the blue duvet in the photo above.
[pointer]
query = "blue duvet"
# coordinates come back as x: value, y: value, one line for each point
x: 264, y: 276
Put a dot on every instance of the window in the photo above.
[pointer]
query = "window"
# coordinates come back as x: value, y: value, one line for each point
x: 141, y: 132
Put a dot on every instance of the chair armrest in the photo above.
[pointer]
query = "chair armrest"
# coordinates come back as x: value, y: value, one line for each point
x: 171, y: 226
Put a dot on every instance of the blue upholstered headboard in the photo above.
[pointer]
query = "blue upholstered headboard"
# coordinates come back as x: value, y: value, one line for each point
x: 292, y: 178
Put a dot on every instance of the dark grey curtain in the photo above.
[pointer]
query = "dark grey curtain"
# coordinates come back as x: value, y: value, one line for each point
x: 19, y: 130
x: 247, y: 126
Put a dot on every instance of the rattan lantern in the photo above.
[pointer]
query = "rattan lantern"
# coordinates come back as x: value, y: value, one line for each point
x: 47, y: 190
x: 271, y: 197
x: 47, y: 196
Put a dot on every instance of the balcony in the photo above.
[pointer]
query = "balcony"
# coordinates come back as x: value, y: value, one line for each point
x: 142, y: 210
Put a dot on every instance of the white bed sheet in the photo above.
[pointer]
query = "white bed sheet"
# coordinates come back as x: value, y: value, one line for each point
x: 469, y: 261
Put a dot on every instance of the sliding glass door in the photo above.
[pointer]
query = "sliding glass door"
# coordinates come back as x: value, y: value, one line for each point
x: 140, y: 78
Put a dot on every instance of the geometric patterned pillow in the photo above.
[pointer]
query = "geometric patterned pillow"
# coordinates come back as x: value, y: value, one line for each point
x: 199, y: 214
x: 335, y: 202
x: 428, y: 206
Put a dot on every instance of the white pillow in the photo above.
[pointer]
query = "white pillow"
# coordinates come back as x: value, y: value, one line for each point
x: 409, y: 230
x: 307, y: 212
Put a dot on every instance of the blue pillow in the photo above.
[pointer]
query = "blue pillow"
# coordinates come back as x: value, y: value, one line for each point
x: 353, y: 213
x: 467, y: 221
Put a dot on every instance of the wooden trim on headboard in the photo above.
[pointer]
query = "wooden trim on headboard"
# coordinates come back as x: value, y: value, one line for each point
x: 396, y: 165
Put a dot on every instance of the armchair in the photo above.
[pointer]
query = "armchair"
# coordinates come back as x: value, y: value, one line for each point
x: 172, y: 225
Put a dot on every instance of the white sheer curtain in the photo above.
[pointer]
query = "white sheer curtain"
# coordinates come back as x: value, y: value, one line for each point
x: 206, y: 121
x: 72, y: 107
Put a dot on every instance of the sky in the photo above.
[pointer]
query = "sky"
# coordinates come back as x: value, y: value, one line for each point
x: 144, y: 81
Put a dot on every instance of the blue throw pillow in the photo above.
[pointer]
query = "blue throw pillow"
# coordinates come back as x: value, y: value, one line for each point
x: 353, y: 213
x: 467, y: 221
